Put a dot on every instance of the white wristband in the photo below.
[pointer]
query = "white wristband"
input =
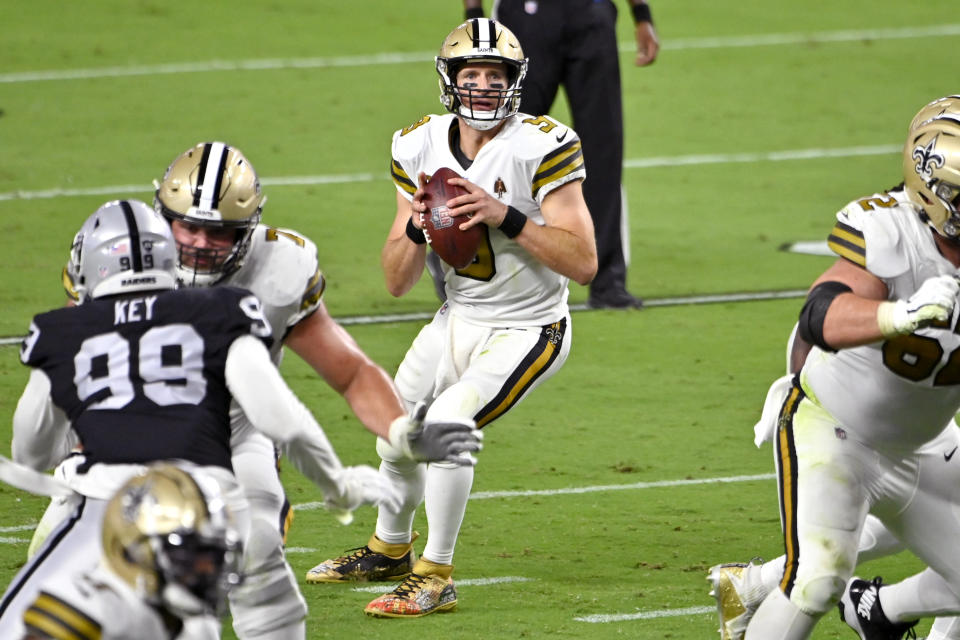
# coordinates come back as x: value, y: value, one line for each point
x: 886, y: 319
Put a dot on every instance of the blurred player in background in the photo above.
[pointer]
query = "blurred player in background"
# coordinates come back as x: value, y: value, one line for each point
x: 505, y: 326
x: 169, y: 552
x: 738, y: 587
x: 139, y: 372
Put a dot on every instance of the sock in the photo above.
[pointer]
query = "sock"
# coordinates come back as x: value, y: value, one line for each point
x: 447, y: 490
x: 408, y: 477
x: 921, y: 595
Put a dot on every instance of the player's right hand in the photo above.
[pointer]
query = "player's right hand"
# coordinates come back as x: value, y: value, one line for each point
x: 932, y: 302
x: 436, y: 440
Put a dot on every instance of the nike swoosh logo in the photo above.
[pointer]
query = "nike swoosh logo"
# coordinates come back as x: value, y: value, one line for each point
x: 562, y: 136
x: 947, y: 456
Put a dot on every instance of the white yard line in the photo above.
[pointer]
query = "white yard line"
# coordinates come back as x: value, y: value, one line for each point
x: 392, y: 58
x: 634, y: 163
x: 486, y: 495
x: 658, y: 484
x: 657, y: 302
x: 646, y: 615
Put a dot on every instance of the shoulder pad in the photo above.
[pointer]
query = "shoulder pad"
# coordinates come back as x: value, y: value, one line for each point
x: 868, y: 234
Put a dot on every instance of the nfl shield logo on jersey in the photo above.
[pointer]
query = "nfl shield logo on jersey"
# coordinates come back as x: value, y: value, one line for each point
x: 440, y: 217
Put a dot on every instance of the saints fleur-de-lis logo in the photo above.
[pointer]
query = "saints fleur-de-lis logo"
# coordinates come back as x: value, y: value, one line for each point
x: 133, y: 499
x: 927, y: 159
x: 499, y: 188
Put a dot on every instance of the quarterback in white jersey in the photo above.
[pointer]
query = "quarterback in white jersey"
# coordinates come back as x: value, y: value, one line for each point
x: 880, y: 385
x: 529, y: 157
x: 505, y: 327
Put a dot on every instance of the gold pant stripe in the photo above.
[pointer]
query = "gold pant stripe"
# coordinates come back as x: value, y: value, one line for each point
x: 531, y: 367
x: 787, y: 479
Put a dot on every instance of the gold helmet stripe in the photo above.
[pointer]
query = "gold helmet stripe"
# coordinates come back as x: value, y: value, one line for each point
x: 212, y: 165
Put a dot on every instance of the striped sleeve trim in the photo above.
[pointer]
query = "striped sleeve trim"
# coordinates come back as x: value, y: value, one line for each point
x: 57, y: 619
x: 400, y: 177
x: 557, y: 164
x: 847, y: 242
x: 531, y: 367
x: 315, y: 289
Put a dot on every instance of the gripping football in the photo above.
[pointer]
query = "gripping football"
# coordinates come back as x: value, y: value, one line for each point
x: 455, y: 247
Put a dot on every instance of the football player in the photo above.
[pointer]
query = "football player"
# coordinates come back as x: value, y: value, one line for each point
x: 169, y: 552
x: 877, y: 388
x: 738, y: 587
x: 505, y: 326
x: 142, y: 372
x: 211, y: 196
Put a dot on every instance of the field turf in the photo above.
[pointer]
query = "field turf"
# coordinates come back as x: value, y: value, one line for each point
x: 603, y: 498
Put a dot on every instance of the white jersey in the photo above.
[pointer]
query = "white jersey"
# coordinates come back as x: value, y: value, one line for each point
x: 94, y: 605
x: 897, y: 393
x: 281, y: 269
x: 528, y: 158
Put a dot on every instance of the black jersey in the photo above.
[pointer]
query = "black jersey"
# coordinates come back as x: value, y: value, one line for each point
x: 141, y: 377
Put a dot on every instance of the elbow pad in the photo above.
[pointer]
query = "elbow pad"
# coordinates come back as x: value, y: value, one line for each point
x: 814, y: 312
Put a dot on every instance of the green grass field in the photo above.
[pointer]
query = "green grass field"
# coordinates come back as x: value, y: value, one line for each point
x: 755, y: 125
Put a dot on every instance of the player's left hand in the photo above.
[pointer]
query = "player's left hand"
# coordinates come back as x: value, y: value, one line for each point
x: 358, y: 486
x: 447, y: 440
x: 480, y: 206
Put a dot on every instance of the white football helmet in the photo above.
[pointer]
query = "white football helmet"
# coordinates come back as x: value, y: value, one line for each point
x: 931, y: 171
x: 125, y: 246
x: 167, y: 533
x: 211, y: 185
x: 481, y: 40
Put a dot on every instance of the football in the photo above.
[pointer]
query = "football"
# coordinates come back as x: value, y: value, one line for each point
x: 455, y: 247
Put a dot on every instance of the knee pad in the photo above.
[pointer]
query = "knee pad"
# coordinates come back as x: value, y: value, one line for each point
x: 818, y: 595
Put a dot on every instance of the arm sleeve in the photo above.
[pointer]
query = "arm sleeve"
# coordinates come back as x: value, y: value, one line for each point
x: 274, y: 410
x: 41, y: 431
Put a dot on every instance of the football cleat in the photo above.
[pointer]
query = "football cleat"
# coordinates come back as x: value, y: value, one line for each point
x: 377, y: 561
x: 738, y: 590
x: 428, y: 589
x: 860, y: 609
